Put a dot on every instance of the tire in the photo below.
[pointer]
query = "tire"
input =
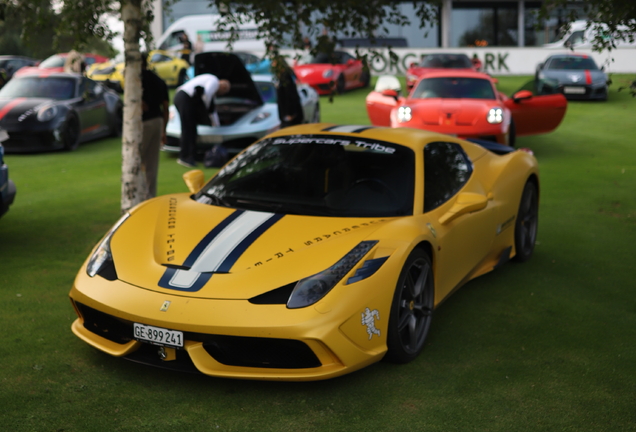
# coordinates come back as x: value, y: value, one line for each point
x: 316, y: 118
x: 71, y: 133
x: 512, y: 134
x: 411, y: 310
x: 365, y: 78
x: 183, y: 77
x: 118, y: 121
x: 340, y: 84
x: 527, y: 223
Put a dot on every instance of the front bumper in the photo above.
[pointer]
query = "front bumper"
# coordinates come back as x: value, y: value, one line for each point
x: 228, y: 338
x: 583, y: 92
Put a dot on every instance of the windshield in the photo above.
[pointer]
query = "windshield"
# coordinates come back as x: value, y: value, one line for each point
x: 267, y: 91
x: 572, y: 63
x: 454, y: 88
x: 38, y: 87
x: 53, y: 61
x: 317, y: 175
x: 446, y: 61
x: 323, y: 58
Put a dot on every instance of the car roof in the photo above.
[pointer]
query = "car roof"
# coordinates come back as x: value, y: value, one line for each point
x: 44, y: 73
x: 566, y: 55
x: 457, y: 73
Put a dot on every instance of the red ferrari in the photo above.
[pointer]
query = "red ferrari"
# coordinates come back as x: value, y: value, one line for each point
x: 55, y: 63
x: 468, y: 105
x: 439, y: 61
x: 331, y: 73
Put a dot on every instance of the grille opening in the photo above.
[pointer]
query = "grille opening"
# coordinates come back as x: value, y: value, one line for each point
x: 261, y: 352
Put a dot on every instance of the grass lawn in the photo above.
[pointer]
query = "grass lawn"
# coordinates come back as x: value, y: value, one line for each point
x: 549, y: 345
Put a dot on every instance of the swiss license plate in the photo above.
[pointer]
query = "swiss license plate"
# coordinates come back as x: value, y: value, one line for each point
x: 158, y: 335
x: 574, y: 90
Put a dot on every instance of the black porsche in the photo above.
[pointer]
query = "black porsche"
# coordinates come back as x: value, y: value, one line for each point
x: 56, y: 110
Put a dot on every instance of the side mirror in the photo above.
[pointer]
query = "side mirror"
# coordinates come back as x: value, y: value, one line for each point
x: 467, y: 202
x: 390, y: 93
x: 194, y: 179
x: 522, y: 95
x: 350, y: 62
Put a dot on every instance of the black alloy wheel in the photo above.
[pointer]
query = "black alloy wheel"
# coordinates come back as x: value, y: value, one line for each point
x: 71, y: 133
x: 340, y: 84
x: 411, y: 310
x: 512, y: 134
x: 527, y: 223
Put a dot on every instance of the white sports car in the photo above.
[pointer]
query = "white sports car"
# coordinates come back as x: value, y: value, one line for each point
x: 247, y: 113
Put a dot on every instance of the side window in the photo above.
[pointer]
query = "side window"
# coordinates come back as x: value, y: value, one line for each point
x: 446, y: 171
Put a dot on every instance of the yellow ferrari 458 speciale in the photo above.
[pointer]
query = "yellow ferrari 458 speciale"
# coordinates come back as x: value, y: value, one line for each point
x: 318, y: 250
x: 171, y: 69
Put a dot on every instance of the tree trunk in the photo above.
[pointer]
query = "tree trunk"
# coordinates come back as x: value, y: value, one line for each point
x: 133, y: 181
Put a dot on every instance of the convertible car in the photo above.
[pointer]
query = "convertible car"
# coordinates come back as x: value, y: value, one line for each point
x: 435, y: 62
x: 7, y: 187
x: 317, y: 251
x: 56, y: 110
x: 172, y: 69
x: 578, y: 76
x: 246, y: 114
x: 331, y: 73
x: 467, y: 104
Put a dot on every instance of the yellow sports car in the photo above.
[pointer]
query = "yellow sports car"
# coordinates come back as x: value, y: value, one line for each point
x: 173, y: 70
x: 318, y: 250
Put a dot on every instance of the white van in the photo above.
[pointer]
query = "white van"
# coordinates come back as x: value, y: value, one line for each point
x: 205, y: 27
x: 580, y: 36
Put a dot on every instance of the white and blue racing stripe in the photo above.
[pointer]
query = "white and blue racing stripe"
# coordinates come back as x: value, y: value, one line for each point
x: 348, y: 128
x: 219, y: 250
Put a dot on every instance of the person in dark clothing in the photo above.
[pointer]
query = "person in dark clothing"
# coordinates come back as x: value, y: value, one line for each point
x: 290, y: 109
x: 187, y: 47
x: 195, y: 102
x: 155, y: 111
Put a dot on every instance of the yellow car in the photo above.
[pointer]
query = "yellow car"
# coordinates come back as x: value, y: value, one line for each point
x: 317, y: 251
x: 110, y: 73
x: 173, y: 70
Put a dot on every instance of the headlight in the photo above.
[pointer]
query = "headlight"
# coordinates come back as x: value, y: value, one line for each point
x: 102, y: 254
x: 309, y: 290
x: 47, y: 113
x: 404, y: 114
x: 260, y: 117
x: 106, y: 71
x: 495, y: 115
x: 328, y: 73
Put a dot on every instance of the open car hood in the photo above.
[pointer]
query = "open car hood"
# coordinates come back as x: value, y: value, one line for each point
x: 229, y: 67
